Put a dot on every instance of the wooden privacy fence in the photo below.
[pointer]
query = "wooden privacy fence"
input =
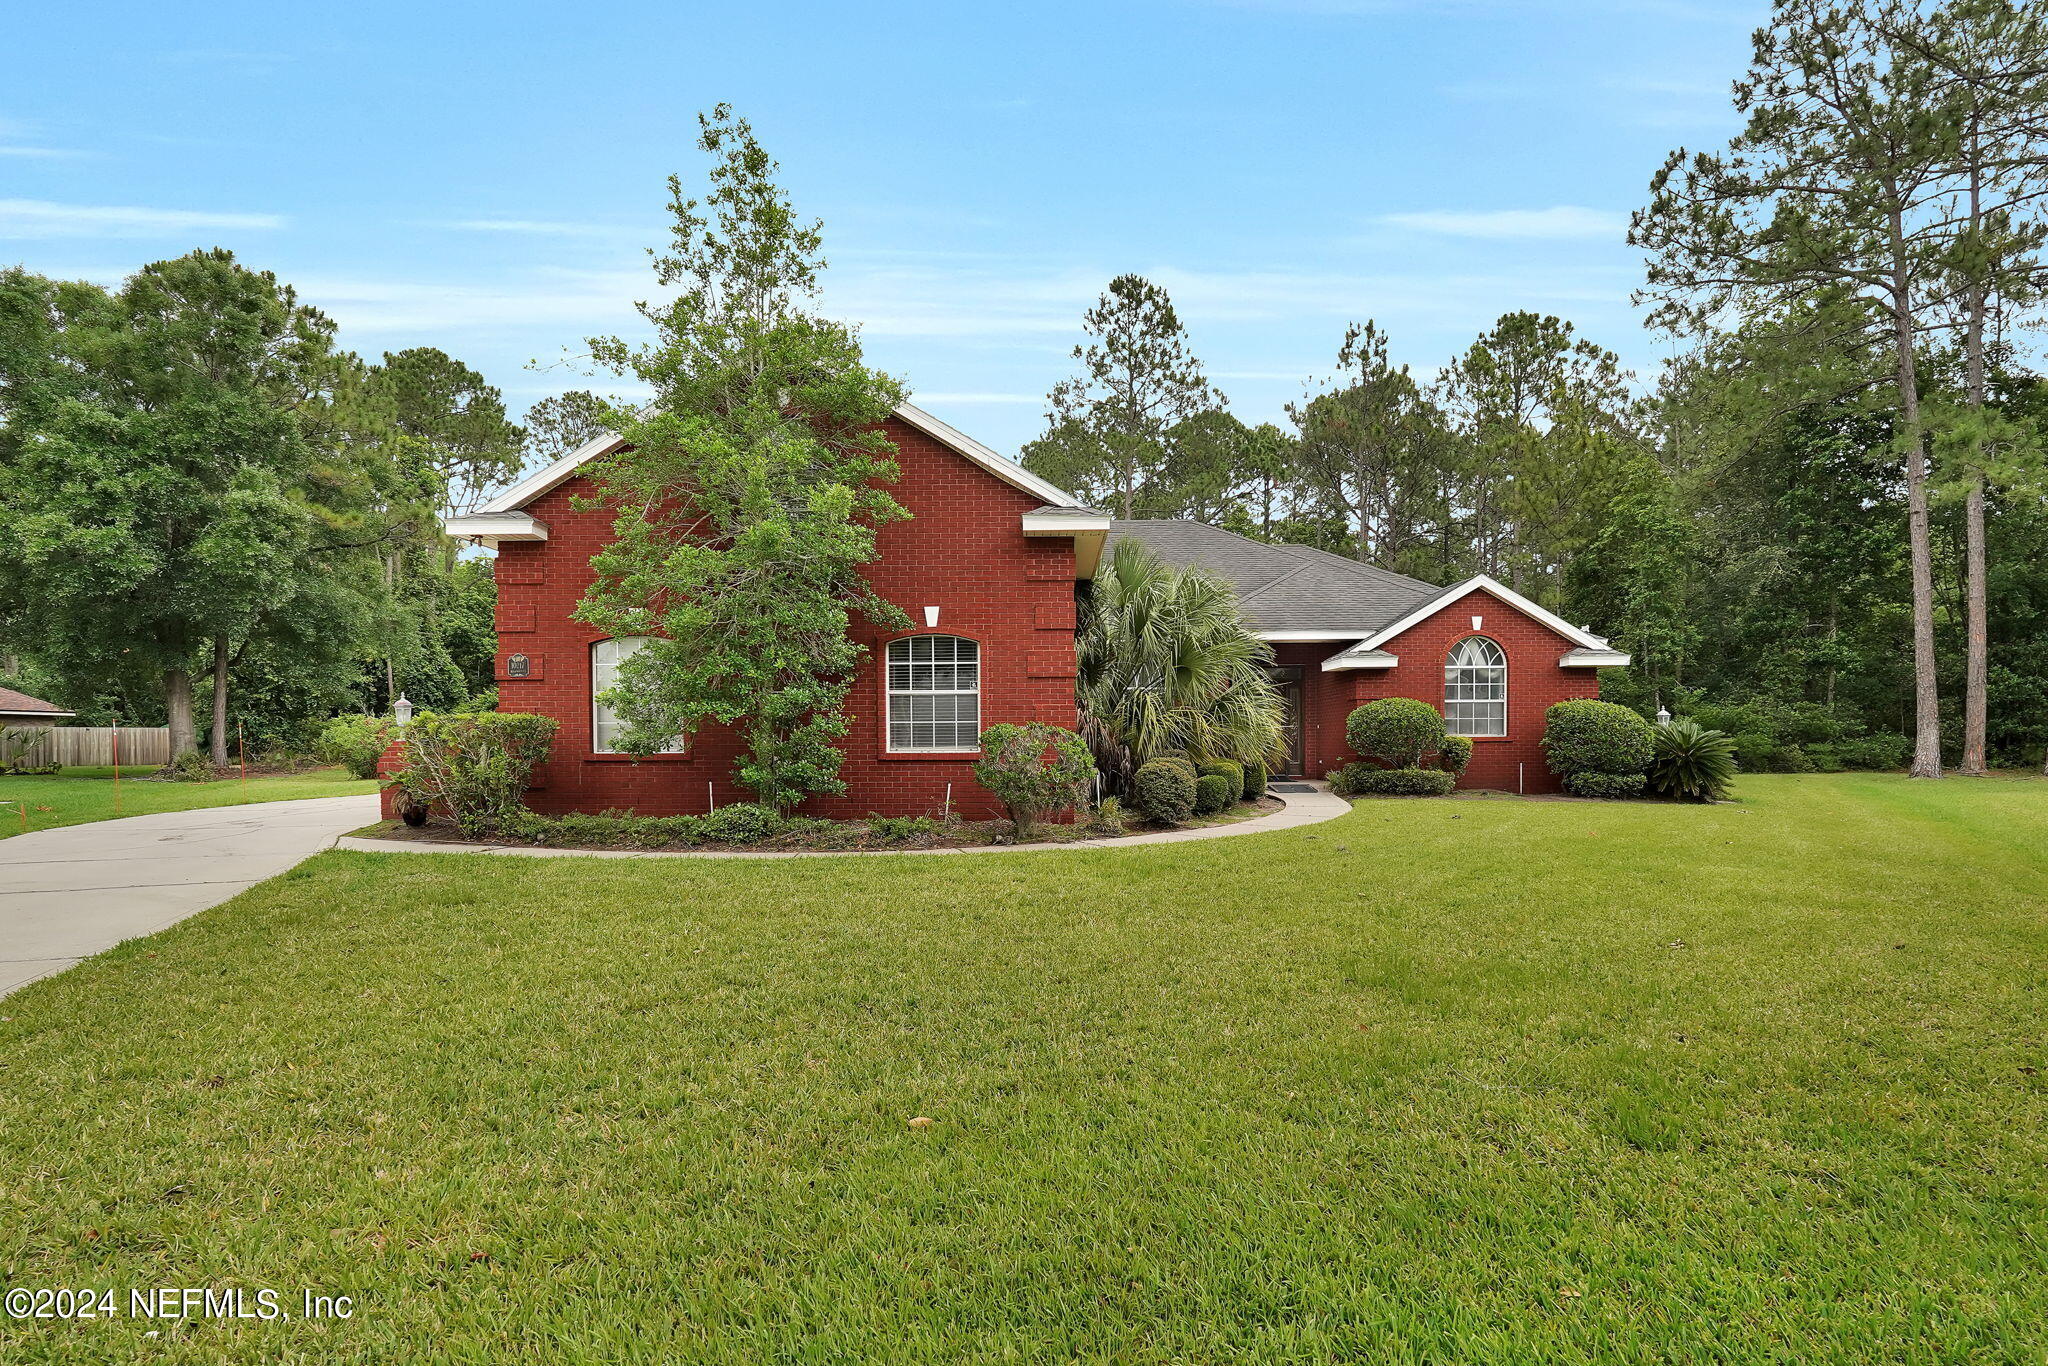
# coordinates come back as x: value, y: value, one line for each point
x: 94, y: 745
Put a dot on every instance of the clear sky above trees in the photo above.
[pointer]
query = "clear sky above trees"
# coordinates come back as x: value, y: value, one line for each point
x: 1282, y: 166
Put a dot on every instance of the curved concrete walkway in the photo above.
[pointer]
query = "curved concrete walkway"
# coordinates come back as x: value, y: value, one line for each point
x: 1302, y: 808
x: 78, y: 890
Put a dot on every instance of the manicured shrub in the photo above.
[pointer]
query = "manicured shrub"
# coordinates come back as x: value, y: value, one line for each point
x: 1584, y: 736
x: 355, y: 742
x: 1213, y: 793
x: 1691, y: 762
x: 1363, y: 780
x: 1256, y: 780
x: 1455, y: 755
x: 1033, y: 769
x: 1398, y: 731
x: 1590, y: 784
x: 1165, y: 790
x: 474, y: 767
x: 741, y: 823
x: 1230, y: 773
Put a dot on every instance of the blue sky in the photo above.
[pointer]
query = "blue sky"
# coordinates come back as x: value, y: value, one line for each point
x: 483, y: 178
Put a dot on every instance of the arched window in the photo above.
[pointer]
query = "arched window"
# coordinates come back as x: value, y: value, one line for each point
x: 934, y: 694
x: 605, y: 725
x: 1476, y: 688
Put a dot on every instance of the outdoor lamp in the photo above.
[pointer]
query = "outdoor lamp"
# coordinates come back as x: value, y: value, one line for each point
x: 1663, y: 715
x: 402, y: 709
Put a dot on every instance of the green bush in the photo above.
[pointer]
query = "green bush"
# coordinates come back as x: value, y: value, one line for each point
x: 1587, y: 783
x: 1226, y: 770
x: 904, y: 829
x: 474, y: 767
x: 742, y: 823
x: 1790, y: 759
x: 1398, y: 731
x: 354, y: 742
x: 1107, y: 818
x: 1753, y: 749
x: 1364, y: 780
x: 1256, y: 780
x: 1033, y: 769
x: 190, y: 767
x: 1584, y: 736
x: 1213, y: 793
x: 1691, y: 762
x: 1164, y: 790
x: 1874, y: 753
x: 1455, y: 755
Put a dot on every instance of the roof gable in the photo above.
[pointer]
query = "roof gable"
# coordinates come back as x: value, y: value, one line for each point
x: 563, y: 470
x: 1589, y: 650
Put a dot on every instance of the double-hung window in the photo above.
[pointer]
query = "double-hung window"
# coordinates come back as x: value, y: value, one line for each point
x: 605, y: 725
x: 1476, y: 688
x: 934, y: 694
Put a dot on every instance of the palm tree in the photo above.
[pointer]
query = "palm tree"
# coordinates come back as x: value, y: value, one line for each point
x: 1168, y: 665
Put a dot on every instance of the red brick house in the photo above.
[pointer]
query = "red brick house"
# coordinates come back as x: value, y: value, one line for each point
x: 987, y: 568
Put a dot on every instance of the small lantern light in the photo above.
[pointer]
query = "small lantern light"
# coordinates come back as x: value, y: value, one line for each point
x: 402, y: 709
x: 1663, y: 715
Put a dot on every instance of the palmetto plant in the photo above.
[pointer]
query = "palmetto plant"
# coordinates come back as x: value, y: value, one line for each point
x: 1168, y: 665
x: 1691, y: 762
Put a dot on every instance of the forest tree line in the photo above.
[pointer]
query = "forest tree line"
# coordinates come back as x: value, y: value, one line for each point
x: 1821, y: 527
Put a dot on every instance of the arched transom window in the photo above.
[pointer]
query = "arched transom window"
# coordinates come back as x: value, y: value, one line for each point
x: 1476, y: 688
x: 605, y: 725
x: 934, y: 694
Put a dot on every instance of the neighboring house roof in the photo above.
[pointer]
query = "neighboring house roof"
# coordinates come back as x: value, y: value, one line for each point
x: 14, y: 703
x: 1296, y: 592
x: 504, y: 518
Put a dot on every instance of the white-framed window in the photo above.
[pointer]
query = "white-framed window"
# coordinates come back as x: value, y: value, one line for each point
x: 605, y: 658
x: 934, y: 694
x: 1476, y: 688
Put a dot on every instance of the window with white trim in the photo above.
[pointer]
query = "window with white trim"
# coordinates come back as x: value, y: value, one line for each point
x: 1476, y: 688
x: 605, y: 725
x: 934, y: 694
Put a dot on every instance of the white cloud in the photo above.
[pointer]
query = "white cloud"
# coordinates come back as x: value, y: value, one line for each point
x: 1564, y: 221
x: 38, y: 152
x: 39, y: 218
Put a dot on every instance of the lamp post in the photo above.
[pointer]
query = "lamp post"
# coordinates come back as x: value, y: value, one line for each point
x: 402, y: 709
x: 1663, y: 715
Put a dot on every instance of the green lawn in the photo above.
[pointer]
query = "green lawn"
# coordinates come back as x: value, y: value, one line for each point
x: 1452, y: 1082
x: 78, y: 795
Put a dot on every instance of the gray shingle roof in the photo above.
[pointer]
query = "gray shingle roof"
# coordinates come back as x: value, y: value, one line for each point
x: 14, y: 703
x: 1286, y: 587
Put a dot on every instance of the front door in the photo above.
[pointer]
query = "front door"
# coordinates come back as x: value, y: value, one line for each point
x: 1288, y: 681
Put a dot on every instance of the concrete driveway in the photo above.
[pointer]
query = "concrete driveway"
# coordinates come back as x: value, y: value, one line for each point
x: 69, y: 893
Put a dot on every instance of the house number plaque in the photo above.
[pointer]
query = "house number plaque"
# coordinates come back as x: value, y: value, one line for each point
x: 518, y: 666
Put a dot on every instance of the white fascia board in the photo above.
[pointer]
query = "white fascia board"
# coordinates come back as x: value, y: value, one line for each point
x: 1359, y: 658
x: 1593, y: 659
x: 1090, y: 531
x: 493, y: 527
x: 1282, y: 637
x: 37, y: 715
x: 1477, y: 583
x: 1009, y: 471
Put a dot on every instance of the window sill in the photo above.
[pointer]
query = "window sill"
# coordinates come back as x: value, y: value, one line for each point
x: 639, y: 758
x: 956, y: 755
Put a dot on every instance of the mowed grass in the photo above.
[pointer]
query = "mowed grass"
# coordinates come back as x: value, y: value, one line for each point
x: 78, y: 795
x: 1480, y: 1081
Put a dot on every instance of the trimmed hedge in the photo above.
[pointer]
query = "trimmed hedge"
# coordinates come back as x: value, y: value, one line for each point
x: 1584, y: 736
x: 1214, y: 792
x: 1164, y: 790
x: 1363, y: 780
x: 1455, y: 755
x: 1256, y: 780
x: 1399, y: 731
x: 1233, y: 773
x: 1032, y: 769
x: 1589, y: 784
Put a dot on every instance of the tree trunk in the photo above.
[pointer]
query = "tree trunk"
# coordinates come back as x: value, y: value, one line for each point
x: 1926, y: 697
x: 178, y: 713
x: 218, y: 737
x: 1978, y: 632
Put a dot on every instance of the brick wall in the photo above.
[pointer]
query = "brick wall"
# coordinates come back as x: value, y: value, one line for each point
x: 963, y: 551
x: 1535, y: 681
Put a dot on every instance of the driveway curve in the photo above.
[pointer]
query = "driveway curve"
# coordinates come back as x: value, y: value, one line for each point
x: 69, y: 893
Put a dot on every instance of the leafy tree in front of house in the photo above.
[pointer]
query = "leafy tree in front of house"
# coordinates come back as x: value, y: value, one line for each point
x: 750, y: 493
